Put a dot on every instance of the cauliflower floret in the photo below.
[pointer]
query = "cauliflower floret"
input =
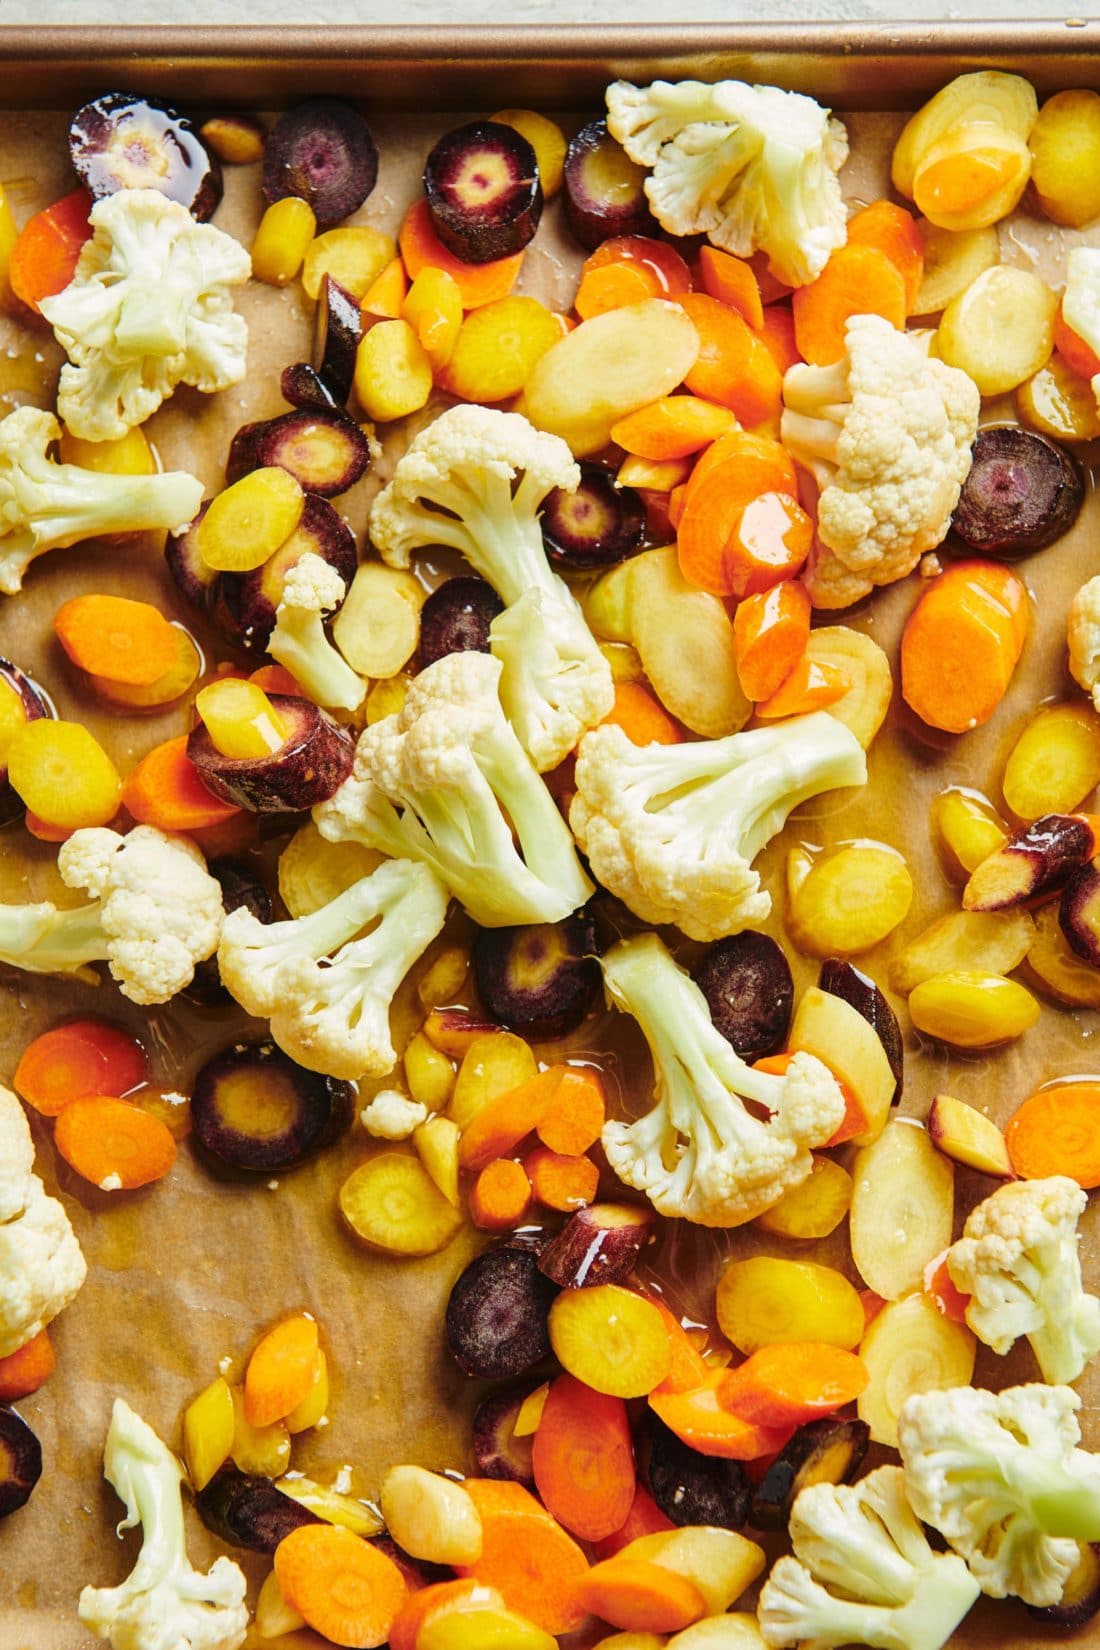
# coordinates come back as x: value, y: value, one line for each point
x: 163, y: 1604
x: 445, y: 781
x: 160, y: 910
x: 49, y: 506
x: 1017, y: 1260
x: 887, y: 433
x: 1081, y: 301
x: 475, y: 479
x: 311, y: 589
x: 41, y: 1264
x: 999, y: 1476
x: 752, y: 167
x: 16, y: 1156
x: 391, y: 1115
x: 863, y: 1573
x: 1083, y: 637
x: 673, y: 830
x: 148, y: 308
x: 327, y: 980
x: 701, y: 1153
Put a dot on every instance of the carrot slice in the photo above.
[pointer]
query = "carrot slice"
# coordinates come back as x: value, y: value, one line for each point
x: 777, y: 334
x: 789, y: 1384
x: 673, y: 427
x: 641, y: 1597
x: 734, y: 366
x: 961, y: 644
x: 166, y: 790
x: 642, y: 717
x: 749, y: 465
x: 561, y: 1181
x: 688, y: 1367
x: 277, y: 679
x: 769, y: 544
x: 575, y: 1117
x: 113, y: 1144
x: 940, y: 1288
x: 812, y: 685
x: 857, y: 280
x: 426, y: 1601
x: 893, y: 231
x: 346, y: 1590
x: 502, y: 1123
x: 386, y: 294
x: 644, y: 1518
x: 526, y: 1555
x: 76, y: 1060
x: 45, y: 255
x: 770, y: 632
x: 500, y: 1196
x: 1079, y: 357
x: 25, y: 1370
x: 281, y: 1370
x: 661, y: 261
x: 613, y: 286
x: 479, y: 284
x: 1057, y: 1131
x: 43, y: 831
x: 700, y: 1420
x: 854, y: 1120
x: 732, y: 281
x: 583, y: 1459
x: 116, y: 638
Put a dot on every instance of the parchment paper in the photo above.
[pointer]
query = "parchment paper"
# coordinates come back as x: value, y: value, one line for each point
x: 187, y: 1273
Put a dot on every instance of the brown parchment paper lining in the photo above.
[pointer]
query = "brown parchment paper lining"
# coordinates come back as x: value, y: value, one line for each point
x: 185, y: 1275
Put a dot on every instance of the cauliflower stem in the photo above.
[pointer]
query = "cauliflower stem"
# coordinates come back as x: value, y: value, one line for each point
x: 311, y: 589
x: 48, y: 506
x: 724, y: 1142
x: 445, y: 781
x: 163, y: 1604
x: 42, y: 1267
x: 475, y: 480
x: 672, y: 830
x: 324, y: 983
x: 863, y: 1573
x: 157, y: 913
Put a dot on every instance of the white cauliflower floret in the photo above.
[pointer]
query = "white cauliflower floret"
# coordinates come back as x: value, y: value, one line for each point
x: 16, y: 1156
x: 1017, y: 1260
x: 863, y: 1573
x: 160, y: 911
x: 701, y: 1153
x: 999, y: 1476
x: 163, y: 1604
x: 1083, y: 637
x: 1081, y: 301
x: 475, y: 480
x: 49, y: 506
x: 149, y: 307
x: 445, y: 781
x: 391, y: 1115
x: 887, y: 434
x: 41, y: 1264
x: 672, y: 830
x: 752, y: 167
x: 311, y: 589
x: 326, y: 981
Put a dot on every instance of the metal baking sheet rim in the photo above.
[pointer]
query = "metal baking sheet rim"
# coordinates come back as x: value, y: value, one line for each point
x: 858, y: 65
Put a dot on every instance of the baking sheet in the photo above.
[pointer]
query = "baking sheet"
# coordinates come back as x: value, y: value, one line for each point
x: 186, y: 1274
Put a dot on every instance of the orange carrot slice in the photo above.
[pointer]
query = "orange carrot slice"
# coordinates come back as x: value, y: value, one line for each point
x: 720, y: 487
x: 1057, y: 1131
x: 770, y: 542
x: 166, y: 790
x: 789, y: 1384
x: 893, y: 231
x: 857, y: 280
x: 583, y: 1459
x: 642, y: 717
x: 281, y: 1370
x: 732, y: 281
x: 700, y: 1420
x: 45, y: 256
x: 501, y: 1124
x: 734, y: 366
x: 641, y: 1597
x: 347, y: 1590
x: 575, y: 1117
x: 500, y: 1196
x: 644, y: 1518
x: 770, y: 632
x: 561, y: 1181
x: 479, y: 284
x: 526, y: 1555
x: 76, y: 1060
x: 25, y: 1370
x: 114, y: 1144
